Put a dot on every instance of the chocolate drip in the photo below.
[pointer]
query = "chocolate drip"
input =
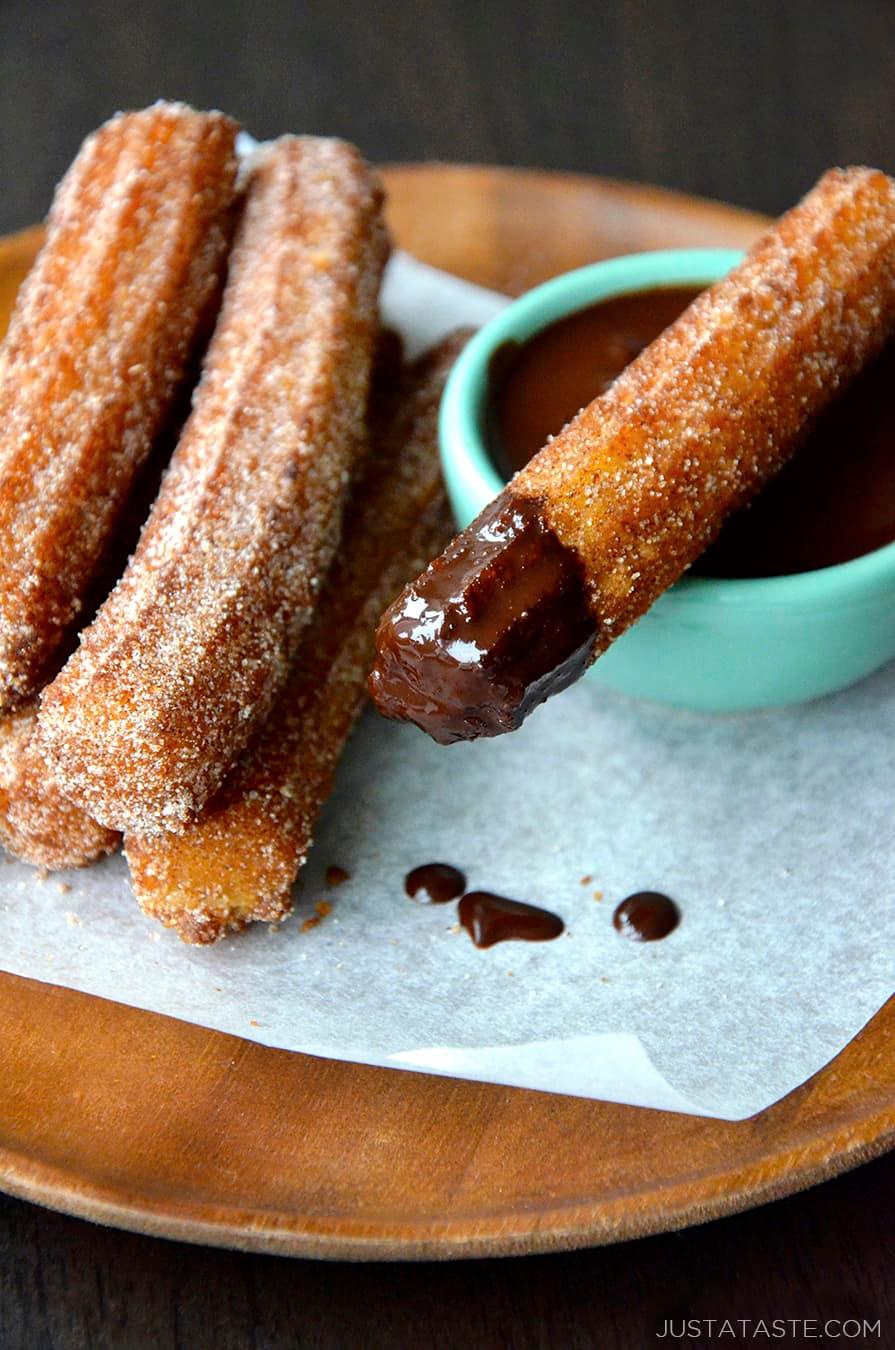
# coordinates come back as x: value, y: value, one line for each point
x: 491, y: 918
x: 435, y: 883
x: 646, y: 916
x: 492, y: 628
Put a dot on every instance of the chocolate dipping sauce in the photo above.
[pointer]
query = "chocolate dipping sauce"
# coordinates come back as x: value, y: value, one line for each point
x: 835, y: 500
x: 489, y: 919
x: 435, y: 883
x: 646, y: 916
x: 541, y: 384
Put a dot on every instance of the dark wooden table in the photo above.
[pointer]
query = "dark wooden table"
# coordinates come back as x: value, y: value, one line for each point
x: 826, y: 1254
x: 745, y: 102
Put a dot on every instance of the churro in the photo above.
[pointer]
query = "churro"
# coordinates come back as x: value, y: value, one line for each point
x: 37, y: 823
x: 104, y: 332
x: 237, y: 862
x: 626, y: 497
x: 186, y: 656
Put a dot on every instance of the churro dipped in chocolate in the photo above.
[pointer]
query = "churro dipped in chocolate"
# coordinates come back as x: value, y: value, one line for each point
x: 37, y: 823
x: 613, y: 510
x: 103, y: 335
x: 238, y: 860
x: 186, y: 656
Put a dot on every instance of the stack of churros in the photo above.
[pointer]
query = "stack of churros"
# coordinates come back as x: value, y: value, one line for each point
x: 195, y: 699
x: 198, y: 701
x: 106, y: 330
x: 238, y: 858
x: 183, y: 660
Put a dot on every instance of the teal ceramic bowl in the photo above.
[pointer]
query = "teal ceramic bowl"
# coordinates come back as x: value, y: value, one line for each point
x: 706, y: 644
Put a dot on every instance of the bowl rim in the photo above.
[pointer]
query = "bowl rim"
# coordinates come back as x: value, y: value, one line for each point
x: 465, y: 456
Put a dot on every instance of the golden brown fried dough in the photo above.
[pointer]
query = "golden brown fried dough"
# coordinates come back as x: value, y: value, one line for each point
x: 186, y: 656
x: 237, y: 862
x: 37, y: 823
x: 104, y: 333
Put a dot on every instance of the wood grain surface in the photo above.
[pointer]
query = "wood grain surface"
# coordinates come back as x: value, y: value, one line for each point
x: 166, y: 1128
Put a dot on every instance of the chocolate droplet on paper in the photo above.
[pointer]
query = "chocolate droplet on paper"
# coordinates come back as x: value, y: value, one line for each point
x: 646, y: 916
x: 491, y: 918
x: 434, y: 883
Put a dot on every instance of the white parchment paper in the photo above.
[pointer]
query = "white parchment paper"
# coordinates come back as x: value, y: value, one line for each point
x: 773, y: 831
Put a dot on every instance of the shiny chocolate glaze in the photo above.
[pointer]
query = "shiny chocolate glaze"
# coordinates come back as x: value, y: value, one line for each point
x: 492, y: 628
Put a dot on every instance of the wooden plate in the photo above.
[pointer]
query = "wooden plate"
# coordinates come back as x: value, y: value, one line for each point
x: 158, y: 1126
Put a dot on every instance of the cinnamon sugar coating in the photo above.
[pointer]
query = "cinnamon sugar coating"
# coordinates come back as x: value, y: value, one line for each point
x: 188, y: 653
x: 640, y: 482
x: 37, y: 823
x: 101, y: 339
x: 237, y: 862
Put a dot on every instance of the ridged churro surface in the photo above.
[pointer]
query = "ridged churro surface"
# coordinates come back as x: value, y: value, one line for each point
x: 641, y: 481
x: 187, y: 654
x: 103, y: 334
x: 237, y: 862
x: 37, y: 823
x: 626, y: 497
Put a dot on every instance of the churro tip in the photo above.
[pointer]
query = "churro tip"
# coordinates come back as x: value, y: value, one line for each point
x: 38, y: 824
